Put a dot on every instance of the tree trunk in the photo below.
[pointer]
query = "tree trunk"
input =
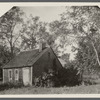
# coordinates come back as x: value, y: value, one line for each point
x: 96, y: 53
x: 11, y: 47
x: 12, y: 51
x: 32, y: 45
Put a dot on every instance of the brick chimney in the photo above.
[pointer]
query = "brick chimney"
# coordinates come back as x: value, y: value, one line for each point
x: 42, y: 45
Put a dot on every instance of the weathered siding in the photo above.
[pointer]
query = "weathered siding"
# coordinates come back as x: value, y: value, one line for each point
x: 45, y: 63
x: 6, y: 76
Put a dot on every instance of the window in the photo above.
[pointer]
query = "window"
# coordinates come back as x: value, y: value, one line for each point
x: 16, y: 74
x: 10, y: 74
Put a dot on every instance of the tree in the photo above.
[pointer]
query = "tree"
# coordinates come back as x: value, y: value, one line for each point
x: 4, y: 55
x: 65, y: 57
x: 33, y: 30
x: 60, y: 30
x: 9, y: 23
x: 85, y: 24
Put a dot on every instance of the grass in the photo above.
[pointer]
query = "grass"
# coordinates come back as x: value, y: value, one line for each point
x: 92, y: 89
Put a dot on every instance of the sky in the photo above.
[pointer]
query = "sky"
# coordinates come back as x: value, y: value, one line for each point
x: 4, y: 10
x: 46, y: 13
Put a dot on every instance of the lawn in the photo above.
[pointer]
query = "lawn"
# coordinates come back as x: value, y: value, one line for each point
x: 92, y: 89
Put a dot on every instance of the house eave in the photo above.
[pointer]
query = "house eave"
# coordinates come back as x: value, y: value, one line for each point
x: 16, y: 67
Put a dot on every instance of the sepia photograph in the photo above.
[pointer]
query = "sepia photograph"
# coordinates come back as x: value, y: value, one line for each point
x: 49, y: 49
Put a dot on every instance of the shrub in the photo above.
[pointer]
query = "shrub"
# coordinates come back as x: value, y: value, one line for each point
x: 91, y: 79
x: 47, y: 79
x: 68, y: 77
x: 64, y: 77
x: 7, y: 86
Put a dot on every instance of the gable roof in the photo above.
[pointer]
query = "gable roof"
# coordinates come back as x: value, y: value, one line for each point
x: 26, y: 58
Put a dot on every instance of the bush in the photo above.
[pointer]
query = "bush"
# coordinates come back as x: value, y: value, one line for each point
x: 68, y: 77
x: 47, y: 79
x: 7, y: 86
x: 91, y: 79
x: 64, y: 77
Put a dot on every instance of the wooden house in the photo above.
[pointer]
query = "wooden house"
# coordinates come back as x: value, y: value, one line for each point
x: 28, y: 65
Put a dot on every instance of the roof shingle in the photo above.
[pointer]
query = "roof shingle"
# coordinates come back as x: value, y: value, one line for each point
x: 26, y: 58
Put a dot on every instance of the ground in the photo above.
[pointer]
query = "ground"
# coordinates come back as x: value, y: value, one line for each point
x: 93, y: 89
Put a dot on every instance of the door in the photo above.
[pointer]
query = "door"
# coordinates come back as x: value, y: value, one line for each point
x: 26, y: 80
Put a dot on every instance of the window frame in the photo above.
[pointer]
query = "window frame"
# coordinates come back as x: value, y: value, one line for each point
x: 10, y: 74
x: 16, y: 75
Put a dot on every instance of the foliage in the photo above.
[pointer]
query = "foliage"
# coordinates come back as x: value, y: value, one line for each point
x: 86, y: 61
x: 85, y: 28
x: 4, y: 55
x: 92, y: 89
x: 68, y: 76
x: 47, y: 79
x: 60, y: 30
x: 33, y: 30
x: 8, y: 24
x: 7, y: 86
x: 64, y: 77
x: 65, y: 57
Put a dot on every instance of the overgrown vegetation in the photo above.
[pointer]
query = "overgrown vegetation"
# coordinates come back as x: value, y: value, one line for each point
x: 92, y: 89
x: 7, y: 86
x: 64, y: 77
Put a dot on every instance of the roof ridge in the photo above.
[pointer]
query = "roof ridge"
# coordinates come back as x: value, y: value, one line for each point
x: 30, y: 58
x: 37, y: 57
x: 28, y: 50
x: 25, y: 59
